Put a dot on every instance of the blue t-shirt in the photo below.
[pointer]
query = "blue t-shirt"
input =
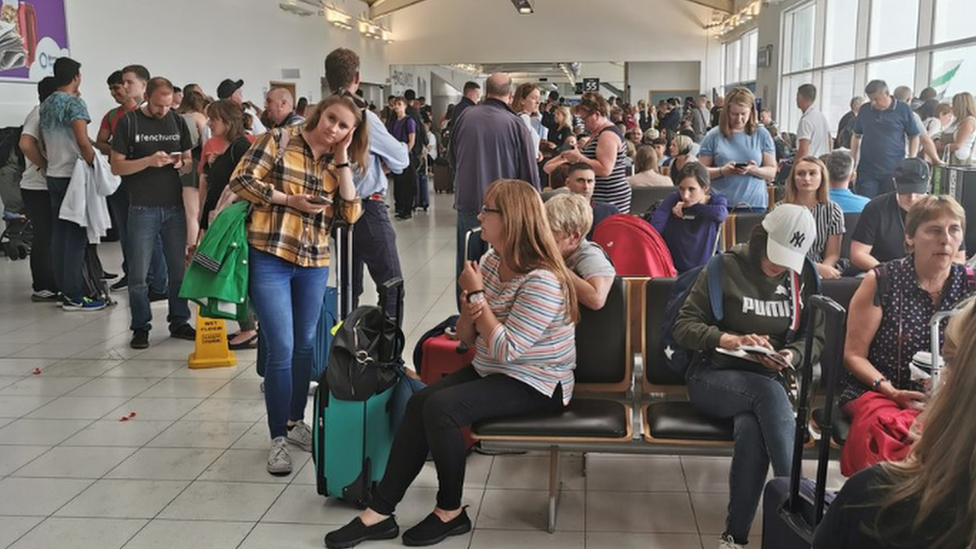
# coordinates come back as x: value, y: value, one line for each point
x: 57, y: 114
x: 848, y: 201
x: 883, y: 138
x: 739, y: 147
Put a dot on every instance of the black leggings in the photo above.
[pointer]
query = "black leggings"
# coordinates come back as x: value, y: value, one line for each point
x: 433, y: 424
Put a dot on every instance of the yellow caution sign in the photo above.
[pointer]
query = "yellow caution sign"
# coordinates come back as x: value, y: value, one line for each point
x: 211, y: 349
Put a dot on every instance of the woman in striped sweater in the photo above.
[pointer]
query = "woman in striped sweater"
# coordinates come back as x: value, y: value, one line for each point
x: 519, y: 310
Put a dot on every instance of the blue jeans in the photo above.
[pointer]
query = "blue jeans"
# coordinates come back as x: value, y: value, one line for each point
x: 119, y: 203
x: 465, y: 222
x: 872, y: 186
x: 288, y: 300
x: 764, y: 430
x: 146, y: 225
x: 68, y: 242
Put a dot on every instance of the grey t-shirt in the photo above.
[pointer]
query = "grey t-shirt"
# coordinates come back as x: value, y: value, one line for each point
x: 589, y: 260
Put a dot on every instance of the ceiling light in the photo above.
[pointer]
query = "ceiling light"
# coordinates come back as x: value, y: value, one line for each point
x: 524, y: 7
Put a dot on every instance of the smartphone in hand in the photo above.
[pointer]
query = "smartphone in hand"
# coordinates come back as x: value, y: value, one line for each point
x: 320, y: 199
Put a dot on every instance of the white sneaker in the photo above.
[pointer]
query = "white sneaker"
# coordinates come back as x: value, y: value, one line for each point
x: 301, y: 435
x: 279, y: 462
x: 726, y: 542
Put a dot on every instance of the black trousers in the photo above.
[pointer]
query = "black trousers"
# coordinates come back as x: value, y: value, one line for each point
x: 404, y: 190
x: 38, y: 206
x: 433, y: 424
x: 374, y: 246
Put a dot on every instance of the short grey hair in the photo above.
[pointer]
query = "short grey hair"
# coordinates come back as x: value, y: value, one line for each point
x: 498, y: 85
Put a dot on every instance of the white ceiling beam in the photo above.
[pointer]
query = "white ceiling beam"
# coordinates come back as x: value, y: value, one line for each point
x: 379, y: 8
x: 725, y: 6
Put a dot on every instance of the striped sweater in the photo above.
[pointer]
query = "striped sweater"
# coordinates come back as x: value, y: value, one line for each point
x: 534, y: 342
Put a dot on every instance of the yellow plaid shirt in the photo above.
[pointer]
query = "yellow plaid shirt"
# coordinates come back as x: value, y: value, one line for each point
x: 285, y: 232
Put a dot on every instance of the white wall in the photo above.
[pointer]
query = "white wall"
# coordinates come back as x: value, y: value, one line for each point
x: 197, y: 41
x: 677, y: 76
x: 491, y: 31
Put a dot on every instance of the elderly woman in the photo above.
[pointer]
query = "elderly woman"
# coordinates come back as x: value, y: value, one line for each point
x: 519, y: 314
x: 298, y: 180
x: 605, y: 152
x: 571, y: 218
x: 888, y: 323
x: 683, y: 150
x: 739, y: 153
x: 752, y: 391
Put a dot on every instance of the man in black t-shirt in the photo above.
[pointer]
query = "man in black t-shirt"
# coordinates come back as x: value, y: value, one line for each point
x: 880, y: 233
x: 150, y: 150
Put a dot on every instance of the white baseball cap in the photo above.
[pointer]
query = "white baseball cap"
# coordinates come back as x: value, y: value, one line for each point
x: 791, y: 230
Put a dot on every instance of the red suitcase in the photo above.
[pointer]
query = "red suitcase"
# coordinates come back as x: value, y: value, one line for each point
x: 440, y: 359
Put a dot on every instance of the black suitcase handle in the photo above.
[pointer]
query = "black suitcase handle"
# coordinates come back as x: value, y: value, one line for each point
x: 831, y: 360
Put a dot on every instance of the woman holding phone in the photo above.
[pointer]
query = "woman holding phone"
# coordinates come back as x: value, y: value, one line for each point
x: 764, y: 283
x: 740, y: 154
x: 283, y: 175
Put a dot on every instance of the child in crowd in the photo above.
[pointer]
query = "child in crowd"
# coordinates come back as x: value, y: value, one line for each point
x: 689, y: 219
x: 570, y: 217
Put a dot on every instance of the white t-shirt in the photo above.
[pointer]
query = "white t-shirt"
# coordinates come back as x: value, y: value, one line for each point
x: 814, y: 127
x: 257, y: 128
x: 33, y: 178
x: 536, y: 138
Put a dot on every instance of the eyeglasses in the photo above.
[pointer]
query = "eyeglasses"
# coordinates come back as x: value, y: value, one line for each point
x: 487, y: 210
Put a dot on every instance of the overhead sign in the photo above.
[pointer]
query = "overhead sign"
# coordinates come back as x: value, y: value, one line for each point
x: 591, y: 85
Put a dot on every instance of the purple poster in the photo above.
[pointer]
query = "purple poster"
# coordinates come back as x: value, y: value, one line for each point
x: 33, y: 34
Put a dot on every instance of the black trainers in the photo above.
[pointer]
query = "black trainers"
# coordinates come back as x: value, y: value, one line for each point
x: 121, y: 285
x: 140, y: 339
x: 433, y: 530
x: 183, y: 331
x: 356, y: 532
x: 157, y: 296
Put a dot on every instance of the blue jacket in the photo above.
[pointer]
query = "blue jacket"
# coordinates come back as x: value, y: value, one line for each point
x: 691, y: 240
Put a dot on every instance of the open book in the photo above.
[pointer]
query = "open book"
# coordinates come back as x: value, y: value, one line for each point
x: 746, y: 351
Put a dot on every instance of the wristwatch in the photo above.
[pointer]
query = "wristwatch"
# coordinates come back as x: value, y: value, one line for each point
x: 877, y: 384
x: 476, y: 296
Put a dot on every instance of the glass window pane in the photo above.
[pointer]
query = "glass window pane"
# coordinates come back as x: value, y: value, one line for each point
x: 953, y: 20
x: 894, y: 26
x: 835, y: 97
x: 801, y: 39
x: 841, y: 31
x: 788, y: 111
x: 954, y: 71
x: 752, y: 51
x: 899, y: 71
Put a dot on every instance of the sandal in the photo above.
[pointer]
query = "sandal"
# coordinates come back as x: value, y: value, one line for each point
x: 251, y: 343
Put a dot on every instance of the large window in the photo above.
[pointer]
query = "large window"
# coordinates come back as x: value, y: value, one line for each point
x: 894, y: 26
x: 789, y: 114
x: 899, y: 71
x: 954, y: 19
x: 799, y: 26
x: 740, y: 59
x: 841, y: 31
x: 836, y: 93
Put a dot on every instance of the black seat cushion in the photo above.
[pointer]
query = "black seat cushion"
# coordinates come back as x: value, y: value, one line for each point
x: 842, y: 427
x: 680, y: 420
x: 583, y: 418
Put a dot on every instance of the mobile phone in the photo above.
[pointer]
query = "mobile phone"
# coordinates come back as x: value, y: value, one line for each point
x: 741, y: 165
x: 320, y: 199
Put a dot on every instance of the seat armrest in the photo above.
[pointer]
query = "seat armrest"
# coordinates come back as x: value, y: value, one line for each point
x: 636, y: 395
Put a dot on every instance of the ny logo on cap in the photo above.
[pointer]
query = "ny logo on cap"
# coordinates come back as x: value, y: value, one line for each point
x: 798, y: 238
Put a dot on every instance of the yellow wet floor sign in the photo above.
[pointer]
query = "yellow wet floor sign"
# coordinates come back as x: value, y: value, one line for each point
x: 211, y: 349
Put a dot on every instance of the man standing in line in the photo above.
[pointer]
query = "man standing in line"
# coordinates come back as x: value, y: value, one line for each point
x: 925, y: 143
x: 489, y: 142
x: 844, y: 132
x: 404, y: 128
x: 374, y: 240
x: 279, y: 108
x: 717, y: 110
x: 134, y: 80
x: 150, y: 150
x: 116, y: 88
x: 231, y: 89
x: 64, y: 122
x: 472, y: 95
x: 813, y: 132
x: 878, y: 144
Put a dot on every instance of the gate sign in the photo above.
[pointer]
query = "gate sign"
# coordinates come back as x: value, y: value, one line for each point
x: 591, y: 85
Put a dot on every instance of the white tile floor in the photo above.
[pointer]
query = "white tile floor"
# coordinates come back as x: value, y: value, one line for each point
x: 188, y: 470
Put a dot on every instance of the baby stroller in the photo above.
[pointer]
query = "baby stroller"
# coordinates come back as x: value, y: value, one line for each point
x: 16, y: 239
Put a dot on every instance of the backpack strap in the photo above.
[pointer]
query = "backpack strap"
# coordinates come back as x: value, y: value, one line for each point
x: 882, y: 277
x: 713, y: 276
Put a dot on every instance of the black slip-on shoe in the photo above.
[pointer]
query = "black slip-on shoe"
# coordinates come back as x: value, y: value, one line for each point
x: 183, y: 331
x: 140, y: 339
x: 356, y: 532
x: 433, y: 530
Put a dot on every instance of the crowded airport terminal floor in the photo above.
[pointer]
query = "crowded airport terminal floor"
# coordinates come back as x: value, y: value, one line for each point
x: 663, y: 274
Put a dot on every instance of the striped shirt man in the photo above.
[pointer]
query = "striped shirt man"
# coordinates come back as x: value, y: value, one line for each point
x: 535, y: 342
